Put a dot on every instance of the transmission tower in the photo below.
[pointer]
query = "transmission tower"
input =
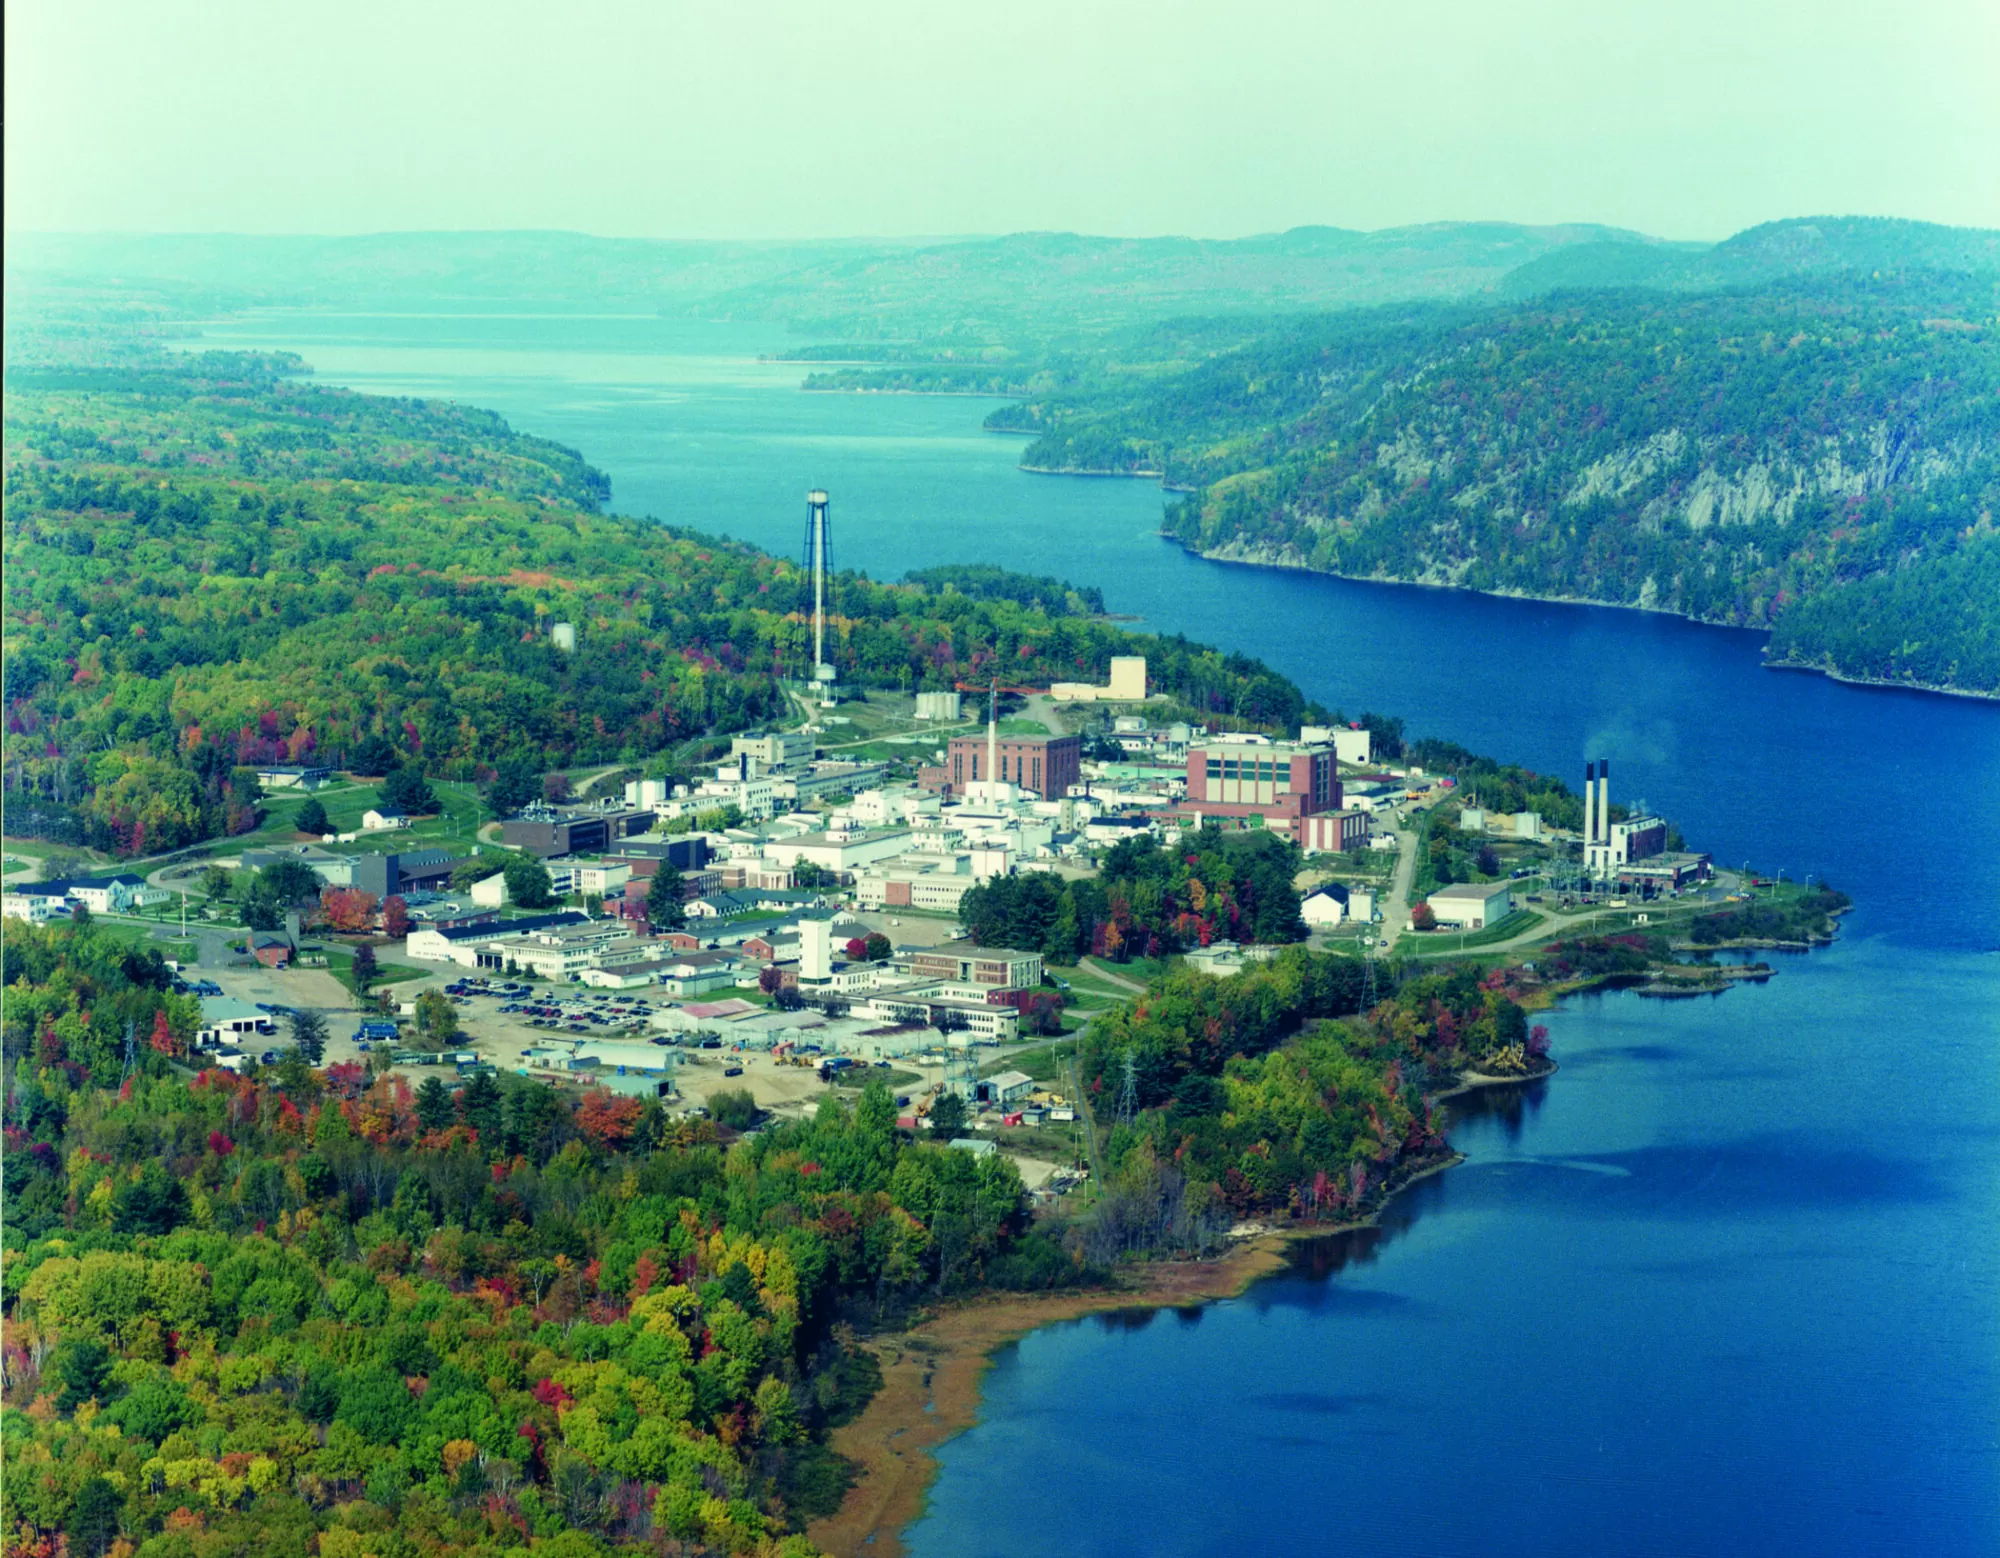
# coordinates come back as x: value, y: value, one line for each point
x: 1368, y: 995
x: 131, y: 1053
x: 961, y: 1071
x: 1128, y: 1092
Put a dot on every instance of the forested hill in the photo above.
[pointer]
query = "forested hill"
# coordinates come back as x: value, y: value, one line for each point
x: 209, y: 565
x: 1819, y: 456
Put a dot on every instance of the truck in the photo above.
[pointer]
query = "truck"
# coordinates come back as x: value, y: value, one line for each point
x: 375, y: 1032
x: 833, y: 1066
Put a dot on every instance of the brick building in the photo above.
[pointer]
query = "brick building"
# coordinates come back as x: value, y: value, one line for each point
x: 1281, y: 783
x: 1043, y: 765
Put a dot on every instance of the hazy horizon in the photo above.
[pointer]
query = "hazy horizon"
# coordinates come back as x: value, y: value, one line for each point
x: 781, y: 121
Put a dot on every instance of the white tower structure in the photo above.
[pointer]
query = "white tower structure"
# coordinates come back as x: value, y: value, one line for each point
x: 815, y: 950
x: 1589, y: 807
x: 817, y: 553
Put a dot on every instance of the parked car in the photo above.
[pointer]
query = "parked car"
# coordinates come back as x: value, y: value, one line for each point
x: 732, y: 1071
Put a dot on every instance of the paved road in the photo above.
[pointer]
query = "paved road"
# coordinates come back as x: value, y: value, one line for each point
x: 1396, y: 910
x: 1110, y: 978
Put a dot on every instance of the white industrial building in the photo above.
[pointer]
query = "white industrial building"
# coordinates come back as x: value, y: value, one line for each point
x: 225, y: 1019
x: 839, y: 850
x: 1128, y: 684
x: 1471, y: 905
x: 1349, y: 745
x: 1333, y: 904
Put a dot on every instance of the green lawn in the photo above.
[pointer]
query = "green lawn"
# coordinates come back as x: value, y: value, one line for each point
x: 1444, y: 943
x: 1046, y: 1064
x: 340, y: 963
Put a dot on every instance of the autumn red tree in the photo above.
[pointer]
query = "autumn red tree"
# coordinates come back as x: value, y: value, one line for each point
x: 857, y: 949
x: 395, y: 917
x: 1421, y: 918
x: 162, y: 1038
x: 608, y: 1119
x: 348, y: 908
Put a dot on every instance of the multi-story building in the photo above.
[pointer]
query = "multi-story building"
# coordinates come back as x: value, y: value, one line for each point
x: 1623, y: 843
x: 775, y: 749
x: 546, y: 833
x: 1247, y: 776
x: 1042, y: 765
x: 990, y: 968
x: 602, y: 877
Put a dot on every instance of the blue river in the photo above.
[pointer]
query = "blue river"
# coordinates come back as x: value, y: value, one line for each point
x: 1729, y: 1283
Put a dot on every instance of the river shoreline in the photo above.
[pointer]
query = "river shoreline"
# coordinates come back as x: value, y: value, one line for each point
x: 932, y: 1374
x: 1241, y: 557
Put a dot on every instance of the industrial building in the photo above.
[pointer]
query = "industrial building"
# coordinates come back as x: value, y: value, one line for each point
x: 1044, y: 766
x: 545, y: 831
x: 1350, y: 743
x: 1291, y: 788
x: 995, y: 968
x: 1471, y: 905
x: 1128, y: 684
x: 775, y: 749
x: 1609, y: 848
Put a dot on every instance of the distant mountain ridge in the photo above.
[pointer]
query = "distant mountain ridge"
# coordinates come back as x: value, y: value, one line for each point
x: 1760, y: 254
x: 1009, y: 290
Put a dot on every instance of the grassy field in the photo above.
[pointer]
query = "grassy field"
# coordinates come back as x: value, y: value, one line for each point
x: 454, y: 827
x: 1444, y: 943
x: 340, y: 963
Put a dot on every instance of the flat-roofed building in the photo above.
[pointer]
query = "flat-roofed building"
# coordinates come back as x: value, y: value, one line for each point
x: 547, y: 833
x: 1283, y: 783
x: 1472, y: 905
x: 991, y: 968
x: 1042, y: 765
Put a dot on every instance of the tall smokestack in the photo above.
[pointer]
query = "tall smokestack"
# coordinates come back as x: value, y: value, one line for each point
x: 1589, y: 804
x: 817, y: 560
x: 1604, y: 800
x: 993, y: 741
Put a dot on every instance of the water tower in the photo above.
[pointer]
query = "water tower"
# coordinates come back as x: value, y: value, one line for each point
x: 819, y: 562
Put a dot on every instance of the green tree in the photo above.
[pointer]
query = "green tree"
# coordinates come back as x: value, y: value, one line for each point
x: 94, y: 1519
x: 482, y: 1104
x: 666, y: 899
x: 733, y: 1107
x: 434, y: 1105
x: 292, y: 884
x: 370, y: 756
x: 364, y: 970
x: 516, y: 783
x: 409, y: 792
x: 309, y: 1035
x: 83, y: 1365
x: 312, y: 818
x: 64, y: 865
x: 152, y: 1203
x: 528, y: 883
x: 947, y: 1118
x: 437, y: 1018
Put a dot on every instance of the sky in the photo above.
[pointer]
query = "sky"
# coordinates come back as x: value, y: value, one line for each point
x: 808, y: 118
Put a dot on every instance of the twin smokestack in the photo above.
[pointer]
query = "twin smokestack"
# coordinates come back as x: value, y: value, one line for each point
x: 1597, y: 801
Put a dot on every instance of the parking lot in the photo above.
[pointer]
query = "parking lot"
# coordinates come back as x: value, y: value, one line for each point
x: 502, y: 1019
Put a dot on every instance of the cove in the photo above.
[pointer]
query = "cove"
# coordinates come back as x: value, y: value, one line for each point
x: 1729, y: 1283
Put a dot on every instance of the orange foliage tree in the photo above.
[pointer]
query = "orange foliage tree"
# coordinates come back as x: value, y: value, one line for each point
x: 347, y: 908
x: 608, y: 1119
